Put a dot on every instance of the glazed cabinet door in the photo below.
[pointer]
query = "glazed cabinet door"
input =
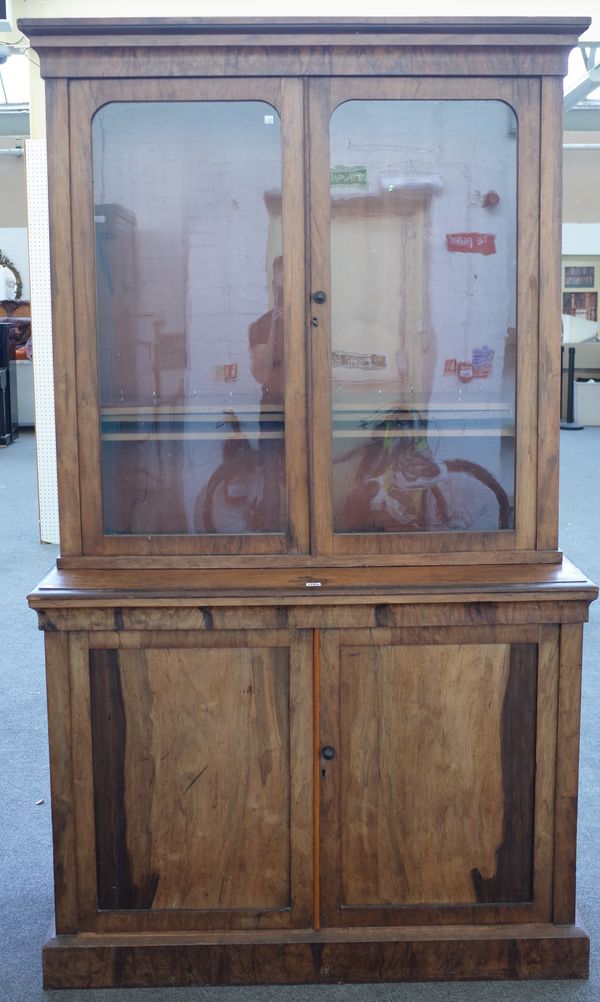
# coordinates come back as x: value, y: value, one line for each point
x: 436, y: 772
x: 195, y: 292
x: 193, y: 757
x: 424, y: 223
x: 188, y: 241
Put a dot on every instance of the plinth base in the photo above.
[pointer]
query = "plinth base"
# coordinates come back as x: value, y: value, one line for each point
x: 327, y: 957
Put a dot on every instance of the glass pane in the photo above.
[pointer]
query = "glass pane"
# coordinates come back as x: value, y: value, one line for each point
x: 423, y: 252
x: 189, y: 311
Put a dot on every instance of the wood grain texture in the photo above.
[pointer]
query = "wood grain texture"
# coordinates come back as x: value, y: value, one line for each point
x: 319, y: 279
x: 301, y: 709
x: 83, y: 779
x: 316, y: 767
x: 352, y: 637
x: 413, y: 636
x: 550, y: 308
x: 434, y: 954
x: 333, y: 56
x: 329, y: 613
x: 84, y: 375
x: 527, y: 110
x: 415, y: 542
x: 201, y: 821
x: 423, y: 778
x: 117, y: 886
x: 513, y: 876
x: 329, y: 775
x: 58, y: 692
x: 295, y: 321
x: 435, y: 713
x: 567, y: 773
x: 190, y: 639
x: 287, y: 560
x: 545, y: 770
x: 188, y: 585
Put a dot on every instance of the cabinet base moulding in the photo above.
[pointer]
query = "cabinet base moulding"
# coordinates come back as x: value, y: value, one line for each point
x: 325, y: 957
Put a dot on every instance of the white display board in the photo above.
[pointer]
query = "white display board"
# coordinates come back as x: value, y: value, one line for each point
x: 41, y: 326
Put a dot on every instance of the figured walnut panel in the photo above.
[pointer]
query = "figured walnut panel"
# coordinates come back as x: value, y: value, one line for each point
x: 425, y: 954
x: 191, y: 768
x: 61, y: 774
x: 437, y: 763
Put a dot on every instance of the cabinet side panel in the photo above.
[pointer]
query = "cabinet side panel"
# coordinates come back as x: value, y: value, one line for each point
x: 61, y: 771
x: 545, y: 777
x: 437, y: 774
x: 549, y: 325
x: 567, y: 773
x: 191, y: 778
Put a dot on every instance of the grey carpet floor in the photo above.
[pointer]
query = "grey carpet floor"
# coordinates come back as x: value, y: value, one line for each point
x: 25, y: 841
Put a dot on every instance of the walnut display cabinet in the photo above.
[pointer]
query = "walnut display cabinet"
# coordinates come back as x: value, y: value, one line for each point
x: 313, y: 654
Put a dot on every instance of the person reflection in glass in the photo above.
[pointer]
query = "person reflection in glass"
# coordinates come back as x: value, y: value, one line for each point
x: 265, y: 342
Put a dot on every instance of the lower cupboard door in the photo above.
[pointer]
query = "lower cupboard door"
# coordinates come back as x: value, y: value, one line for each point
x: 428, y: 785
x: 200, y: 773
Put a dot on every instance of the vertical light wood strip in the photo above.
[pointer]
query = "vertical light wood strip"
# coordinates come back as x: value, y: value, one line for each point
x: 328, y: 773
x: 58, y: 693
x: 316, y: 766
x: 84, y: 279
x: 527, y: 94
x: 545, y: 775
x: 83, y: 782
x: 63, y: 324
x: 550, y: 308
x: 567, y: 774
x: 320, y: 336
x: 301, y: 739
x: 293, y: 209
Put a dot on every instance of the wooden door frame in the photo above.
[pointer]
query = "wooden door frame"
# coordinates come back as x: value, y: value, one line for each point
x: 524, y: 97
x: 85, y: 99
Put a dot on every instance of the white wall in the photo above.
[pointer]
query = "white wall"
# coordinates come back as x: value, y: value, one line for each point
x: 581, y: 239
